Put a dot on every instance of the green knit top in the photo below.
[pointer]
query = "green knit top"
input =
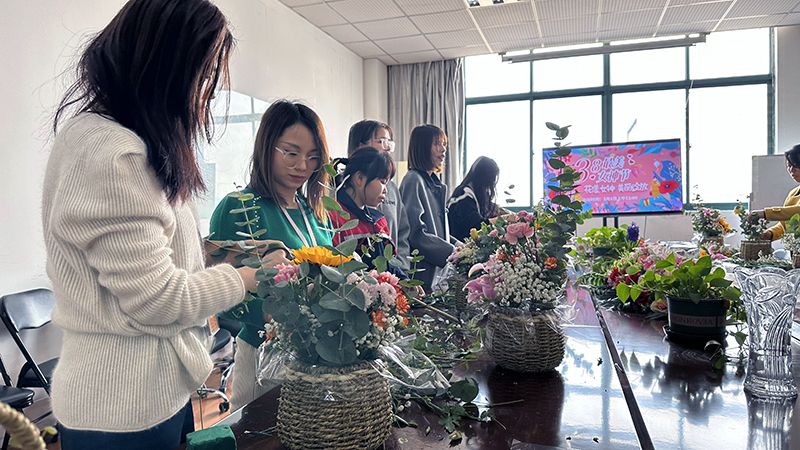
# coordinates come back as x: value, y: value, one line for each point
x: 223, y: 227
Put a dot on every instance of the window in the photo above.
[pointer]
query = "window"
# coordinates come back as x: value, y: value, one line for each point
x: 631, y: 96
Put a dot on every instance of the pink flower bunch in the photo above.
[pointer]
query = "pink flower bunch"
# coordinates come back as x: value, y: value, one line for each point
x: 286, y: 272
x: 516, y: 231
x: 480, y: 288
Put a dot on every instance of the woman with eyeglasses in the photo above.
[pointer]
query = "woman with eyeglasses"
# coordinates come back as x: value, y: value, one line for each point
x: 287, y: 182
x: 791, y: 205
x: 371, y: 133
x: 424, y: 198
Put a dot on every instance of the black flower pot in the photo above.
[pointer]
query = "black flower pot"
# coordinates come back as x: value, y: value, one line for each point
x: 696, y: 323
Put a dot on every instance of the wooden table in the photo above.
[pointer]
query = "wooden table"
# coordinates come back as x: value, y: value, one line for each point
x: 621, y: 385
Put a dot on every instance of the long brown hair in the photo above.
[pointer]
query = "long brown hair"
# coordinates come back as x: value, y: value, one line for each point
x: 154, y: 69
x: 419, y: 147
x: 362, y: 132
x: 276, y: 120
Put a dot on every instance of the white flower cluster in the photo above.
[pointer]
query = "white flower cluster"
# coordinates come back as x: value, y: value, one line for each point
x: 791, y: 243
x: 523, y: 280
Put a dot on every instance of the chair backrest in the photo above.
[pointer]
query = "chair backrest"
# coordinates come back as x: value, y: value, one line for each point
x: 28, y: 309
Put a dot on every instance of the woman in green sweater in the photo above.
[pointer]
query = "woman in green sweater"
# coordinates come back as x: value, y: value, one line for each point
x: 287, y: 181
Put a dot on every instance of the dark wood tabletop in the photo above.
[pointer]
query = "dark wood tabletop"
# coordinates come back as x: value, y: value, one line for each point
x: 621, y: 385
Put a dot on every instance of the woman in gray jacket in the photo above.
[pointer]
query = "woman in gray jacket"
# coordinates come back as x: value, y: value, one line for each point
x: 424, y: 199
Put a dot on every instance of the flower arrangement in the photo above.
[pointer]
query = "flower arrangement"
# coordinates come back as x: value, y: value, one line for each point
x: 328, y: 312
x: 629, y: 268
x: 528, y: 267
x: 791, y: 236
x: 708, y: 222
x: 752, y: 231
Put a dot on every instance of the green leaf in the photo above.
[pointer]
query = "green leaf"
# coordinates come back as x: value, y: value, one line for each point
x: 357, y: 298
x: 328, y: 168
x: 410, y: 283
x: 331, y: 204
x: 552, y: 126
x: 563, y: 152
x: 351, y: 266
x: 357, y: 324
x: 325, y: 315
x: 332, y: 300
x: 380, y: 264
x: 388, y: 251
x: 561, y: 199
x: 259, y: 233
x: 636, y: 291
x: 623, y: 292
x: 347, y: 247
x: 241, y: 210
x: 253, y: 262
x: 349, y: 225
x: 556, y: 163
x: 465, y: 390
x: 304, y: 268
x: 332, y: 274
x: 335, y: 350
x: 562, y: 132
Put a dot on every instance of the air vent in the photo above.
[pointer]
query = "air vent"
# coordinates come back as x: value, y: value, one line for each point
x: 482, y: 3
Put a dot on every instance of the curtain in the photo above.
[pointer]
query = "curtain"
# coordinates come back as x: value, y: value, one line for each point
x: 429, y: 93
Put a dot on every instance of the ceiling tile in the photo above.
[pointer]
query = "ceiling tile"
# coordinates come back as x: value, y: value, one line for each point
x: 385, y: 29
x: 453, y: 53
x: 448, y: 21
x: 411, y: 58
x: 415, y: 7
x: 366, y: 10
x: 388, y: 60
x: 694, y: 2
x: 320, y: 15
x: 608, y: 6
x: 293, y: 3
x: 518, y: 32
x: 559, y: 9
x: 686, y: 28
x: 749, y: 8
x: 345, y: 33
x: 365, y: 49
x: 751, y: 22
x: 511, y: 46
x: 633, y: 33
x: 577, y: 25
x: 695, y: 13
x: 405, y: 44
x: 569, y: 39
x: 791, y: 19
x: 453, y: 39
x: 503, y: 14
x: 632, y: 19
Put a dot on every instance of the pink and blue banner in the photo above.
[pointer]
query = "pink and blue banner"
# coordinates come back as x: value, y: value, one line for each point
x: 634, y: 177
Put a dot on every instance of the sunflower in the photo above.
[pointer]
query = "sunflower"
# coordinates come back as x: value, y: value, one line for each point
x: 319, y: 255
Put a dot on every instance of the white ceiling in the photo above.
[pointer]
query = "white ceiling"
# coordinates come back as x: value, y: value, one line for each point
x: 410, y: 31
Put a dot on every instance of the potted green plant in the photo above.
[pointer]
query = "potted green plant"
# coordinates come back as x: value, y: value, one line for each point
x: 791, y: 239
x: 752, y: 246
x: 606, y: 241
x: 699, y: 298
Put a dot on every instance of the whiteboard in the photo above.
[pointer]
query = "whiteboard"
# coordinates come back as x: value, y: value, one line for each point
x: 771, y: 182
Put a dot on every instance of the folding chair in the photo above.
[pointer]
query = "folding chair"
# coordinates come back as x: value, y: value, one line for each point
x: 17, y: 398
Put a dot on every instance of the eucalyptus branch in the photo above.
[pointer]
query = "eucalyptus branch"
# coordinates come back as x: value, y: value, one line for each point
x: 436, y: 310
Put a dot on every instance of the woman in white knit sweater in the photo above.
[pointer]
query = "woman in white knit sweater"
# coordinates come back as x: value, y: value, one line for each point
x: 124, y: 251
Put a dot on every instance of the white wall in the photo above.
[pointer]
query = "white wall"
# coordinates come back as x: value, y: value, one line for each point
x: 787, y: 93
x: 376, y: 90
x: 279, y: 55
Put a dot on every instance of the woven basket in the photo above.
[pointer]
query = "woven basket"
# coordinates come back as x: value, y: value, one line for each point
x: 524, y: 343
x: 342, y: 408
x: 751, y: 249
x: 457, y: 284
x: 796, y: 260
x: 716, y: 241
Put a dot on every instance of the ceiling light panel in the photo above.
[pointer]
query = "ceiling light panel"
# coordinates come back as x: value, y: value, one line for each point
x: 345, y: 33
x: 367, y: 10
x: 626, y: 20
x: 748, y: 8
x: 320, y: 15
x: 518, y: 32
x: 365, y: 49
x: 293, y: 3
x: 694, y: 13
x: 417, y: 7
x: 577, y: 25
x: 385, y: 29
x: 411, y: 58
x: 405, y: 45
x: 448, y: 21
x: 610, y: 6
x: 453, y: 39
x: 559, y: 9
x: 504, y: 14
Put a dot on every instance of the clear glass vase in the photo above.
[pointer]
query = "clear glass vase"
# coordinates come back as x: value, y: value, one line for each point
x: 769, y: 295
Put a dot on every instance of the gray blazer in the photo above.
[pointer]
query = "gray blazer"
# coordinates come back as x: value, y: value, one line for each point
x: 424, y: 199
x: 397, y: 220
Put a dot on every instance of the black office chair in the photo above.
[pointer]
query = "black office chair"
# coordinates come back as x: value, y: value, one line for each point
x: 29, y: 310
x: 233, y: 326
x: 17, y: 398
x: 221, y: 339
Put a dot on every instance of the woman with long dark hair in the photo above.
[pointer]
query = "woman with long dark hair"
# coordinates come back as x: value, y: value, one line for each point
x: 424, y: 198
x: 791, y: 205
x: 286, y: 180
x: 124, y: 253
x: 473, y: 201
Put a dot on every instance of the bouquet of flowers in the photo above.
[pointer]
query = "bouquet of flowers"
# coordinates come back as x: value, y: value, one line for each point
x: 708, y: 222
x: 752, y: 231
x: 791, y: 236
x: 327, y: 311
x: 477, y: 248
x: 631, y: 267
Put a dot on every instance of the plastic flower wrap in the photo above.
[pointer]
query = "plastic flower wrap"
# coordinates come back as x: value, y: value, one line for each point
x: 327, y: 311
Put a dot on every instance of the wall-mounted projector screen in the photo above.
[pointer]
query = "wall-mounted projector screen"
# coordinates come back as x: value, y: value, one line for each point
x: 624, y: 178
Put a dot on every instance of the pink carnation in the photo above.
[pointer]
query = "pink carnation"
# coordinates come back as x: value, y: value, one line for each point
x: 286, y: 272
x: 493, y: 233
x: 516, y: 231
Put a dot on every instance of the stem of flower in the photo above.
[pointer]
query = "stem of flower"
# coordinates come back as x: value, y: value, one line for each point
x: 436, y: 310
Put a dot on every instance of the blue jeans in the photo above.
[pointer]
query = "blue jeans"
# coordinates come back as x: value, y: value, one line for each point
x: 167, y: 435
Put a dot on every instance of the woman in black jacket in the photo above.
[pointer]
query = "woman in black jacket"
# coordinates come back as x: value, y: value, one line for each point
x: 473, y: 201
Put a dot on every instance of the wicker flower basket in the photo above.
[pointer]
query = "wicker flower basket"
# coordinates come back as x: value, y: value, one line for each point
x: 457, y: 284
x: 523, y: 342
x: 751, y: 249
x: 716, y: 241
x: 18, y: 426
x: 796, y: 260
x: 342, y: 408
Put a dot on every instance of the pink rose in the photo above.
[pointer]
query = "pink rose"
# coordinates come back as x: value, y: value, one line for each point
x: 516, y: 231
x: 493, y: 233
x: 286, y: 272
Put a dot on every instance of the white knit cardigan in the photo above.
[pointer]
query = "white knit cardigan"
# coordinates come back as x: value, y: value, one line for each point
x: 128, y: 275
